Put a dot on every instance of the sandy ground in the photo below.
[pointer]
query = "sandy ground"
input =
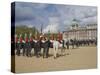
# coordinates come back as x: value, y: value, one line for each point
x: 81, y: 58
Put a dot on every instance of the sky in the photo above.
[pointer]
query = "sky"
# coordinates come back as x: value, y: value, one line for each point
x: 53, y: 17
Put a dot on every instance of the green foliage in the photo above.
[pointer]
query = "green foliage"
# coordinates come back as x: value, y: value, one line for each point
x: 24, y: 29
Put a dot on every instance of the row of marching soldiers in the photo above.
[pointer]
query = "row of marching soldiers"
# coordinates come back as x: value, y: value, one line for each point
x: 27, y: 44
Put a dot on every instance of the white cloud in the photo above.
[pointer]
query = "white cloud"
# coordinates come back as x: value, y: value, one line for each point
x: 30, y: 26
x: 39, y: 6
x: 68, y: 13
x: 53, y: 26
x: 37, y: 14
x: 89, y: 20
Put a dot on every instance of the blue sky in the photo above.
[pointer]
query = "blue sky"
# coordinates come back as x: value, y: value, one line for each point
x: 53, y: 17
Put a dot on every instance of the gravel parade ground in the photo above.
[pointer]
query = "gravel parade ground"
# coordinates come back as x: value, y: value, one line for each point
x: 74, y: 59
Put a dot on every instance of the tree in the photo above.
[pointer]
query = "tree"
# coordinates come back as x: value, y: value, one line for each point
x: 22, y: 29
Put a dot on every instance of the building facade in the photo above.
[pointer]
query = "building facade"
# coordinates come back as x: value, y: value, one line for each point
x: 81, y: 33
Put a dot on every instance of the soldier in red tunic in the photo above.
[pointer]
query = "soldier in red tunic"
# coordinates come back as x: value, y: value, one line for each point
x: 16, y: 43
x: 25, y: 52
x: 30, y: 45
x: 26, y: 38
x: 20, y: 40
x: 31, y: 39
x: 23, y: 44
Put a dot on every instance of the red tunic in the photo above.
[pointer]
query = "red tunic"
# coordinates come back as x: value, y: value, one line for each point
x: 31, y: 39
x: 26, y: 39
x: 21, y: 39
x: 16, y: 39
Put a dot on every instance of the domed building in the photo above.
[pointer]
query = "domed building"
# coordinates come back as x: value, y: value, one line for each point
x: 78, y: 32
